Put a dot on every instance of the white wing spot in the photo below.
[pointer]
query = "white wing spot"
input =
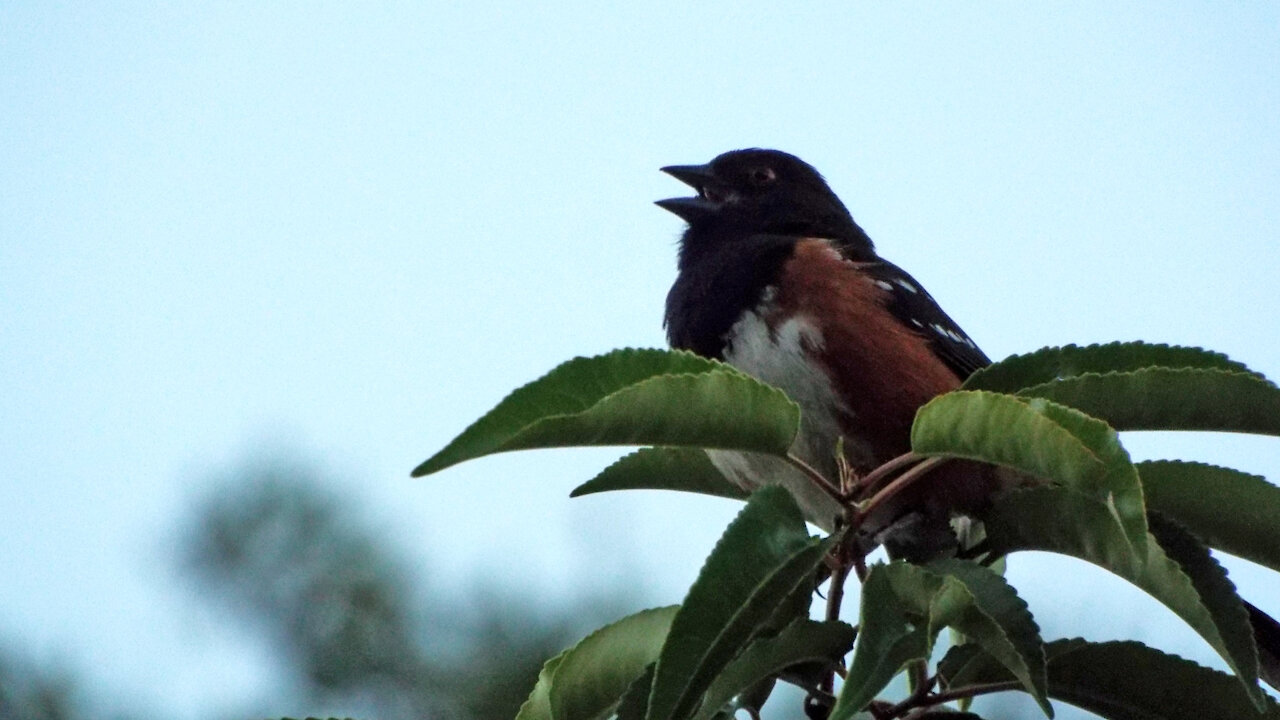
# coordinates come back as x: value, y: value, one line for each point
x: 917, y: 323
x: 949, y: 333
x: 906, y: 285
x: 884, y: 285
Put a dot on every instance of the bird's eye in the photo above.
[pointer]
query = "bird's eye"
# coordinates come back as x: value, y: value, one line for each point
x: 763, y: 176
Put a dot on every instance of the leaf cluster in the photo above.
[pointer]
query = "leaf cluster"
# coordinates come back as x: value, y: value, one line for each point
x: 1053, y: 417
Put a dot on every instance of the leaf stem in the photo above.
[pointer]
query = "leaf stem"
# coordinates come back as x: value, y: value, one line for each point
x: 920, y: 696
x: 971, y: 691
x: 835, y: 590
x: 921, y: 699
x: 818, y: 479
x: 877, y: 476
x: 899, y: 484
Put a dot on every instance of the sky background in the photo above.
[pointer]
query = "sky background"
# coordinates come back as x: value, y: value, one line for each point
x: 234, y: 231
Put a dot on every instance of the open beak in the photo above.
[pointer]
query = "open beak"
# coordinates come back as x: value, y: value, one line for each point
x: 690, y: 208
x: 695, y: 176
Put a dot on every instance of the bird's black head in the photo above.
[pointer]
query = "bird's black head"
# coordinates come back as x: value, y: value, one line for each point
x: 751, y: 192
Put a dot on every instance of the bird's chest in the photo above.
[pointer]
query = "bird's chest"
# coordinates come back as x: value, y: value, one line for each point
x: 785, y: 353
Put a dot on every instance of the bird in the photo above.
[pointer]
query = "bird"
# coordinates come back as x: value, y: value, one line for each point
x: 775, y: 278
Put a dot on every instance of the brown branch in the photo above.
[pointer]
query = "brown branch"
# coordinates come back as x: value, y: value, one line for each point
x: 893, y: 488
x: 970, y: 691
x: 878, y: 475
x: 818, y: 479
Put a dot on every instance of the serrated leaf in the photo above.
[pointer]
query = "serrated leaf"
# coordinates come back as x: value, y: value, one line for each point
x: 981, y: 605
x: 1119, y: 486
x: 686, y: 469
x: 887, y: 642
x: 1004, y: 430
x: 631, y: 397
x: 762, y: 556
x: 803, y: 641
x: 1171, y: 399
x: 1000, y: 622
x: 1055, y: 363
x: 1217, y: 594
x: 1058, y: 520
x: 538, y: 706
x: 1027, y: 435
x: 1229, y: 510
x: 594, y: 674
x: 1042, y: 438
x: 1120, y: 681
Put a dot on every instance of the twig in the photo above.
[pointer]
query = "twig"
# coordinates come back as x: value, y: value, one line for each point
x: 818, y: 479
x: 835, y: 590
x: 875, y: 477
x: 893, y: 488
x: 919, y: 697
x: 970, y: 691
x: 835, y: 597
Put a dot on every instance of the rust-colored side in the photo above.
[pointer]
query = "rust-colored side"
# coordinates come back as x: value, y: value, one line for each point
x: 882, y: 369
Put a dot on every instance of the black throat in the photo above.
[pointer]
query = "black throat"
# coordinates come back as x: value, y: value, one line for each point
x: 717, y: 283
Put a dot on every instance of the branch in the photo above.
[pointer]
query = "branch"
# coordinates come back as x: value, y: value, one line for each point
x: 971, y: 691
x: 878, y: 475
x: 893, y: 488
x: 818, y: 479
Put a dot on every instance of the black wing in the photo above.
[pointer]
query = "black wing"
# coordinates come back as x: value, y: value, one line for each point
x: 916, y: 308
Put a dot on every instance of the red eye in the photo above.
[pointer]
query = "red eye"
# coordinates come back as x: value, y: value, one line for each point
x: 763, y: 176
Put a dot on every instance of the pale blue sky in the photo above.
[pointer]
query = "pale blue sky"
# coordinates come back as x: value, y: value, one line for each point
x: 346, y: 231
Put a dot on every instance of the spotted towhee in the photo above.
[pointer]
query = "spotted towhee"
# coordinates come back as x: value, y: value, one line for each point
x: 777, y: 279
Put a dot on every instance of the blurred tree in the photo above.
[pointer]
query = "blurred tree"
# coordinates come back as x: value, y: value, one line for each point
x: 288, y: 555
x: 28, y: 692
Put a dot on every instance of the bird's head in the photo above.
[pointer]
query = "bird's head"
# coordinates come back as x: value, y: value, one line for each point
x: 760, y: 191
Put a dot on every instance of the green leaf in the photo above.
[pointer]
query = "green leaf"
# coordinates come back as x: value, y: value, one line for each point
x: 1004, y: 430
x: 887, y: 642
x: 1217, y: 595
x: 981, y: 605
x: 635, y: 701
x: 762, y: 556
x: 667, y: 468
x: 1227, y: 509
x: 1171, y: 399
x: 803, y: 641
x: 1120, y: 681
x: 1000, y: 622
x: 1119, y: 486
x: 538, y: 706
x: 1055, y: 363
x: 632, y: 397
x: 1058, y: 520
x: 1039, y: 437
x: 594, y: 674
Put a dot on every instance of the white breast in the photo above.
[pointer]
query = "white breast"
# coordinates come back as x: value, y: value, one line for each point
x: 783, y: 358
